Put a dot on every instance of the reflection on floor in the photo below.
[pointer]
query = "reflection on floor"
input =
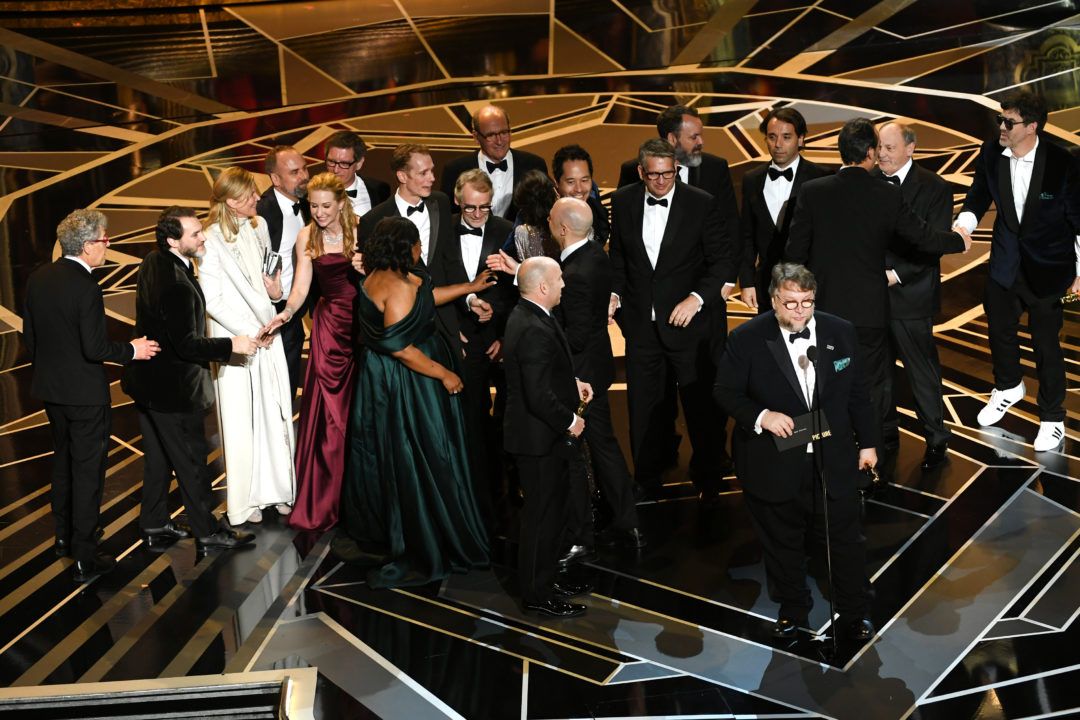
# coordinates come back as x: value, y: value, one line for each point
x: 974, y: 566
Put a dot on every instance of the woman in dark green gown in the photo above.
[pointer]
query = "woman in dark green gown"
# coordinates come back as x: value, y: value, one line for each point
x: 408, y: 507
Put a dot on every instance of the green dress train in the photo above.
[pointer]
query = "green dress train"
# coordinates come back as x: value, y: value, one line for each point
x: 407, y: 502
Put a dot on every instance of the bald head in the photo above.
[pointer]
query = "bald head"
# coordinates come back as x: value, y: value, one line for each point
x: 540, y: 280
x: 491, y: 128
x: 570, y: 220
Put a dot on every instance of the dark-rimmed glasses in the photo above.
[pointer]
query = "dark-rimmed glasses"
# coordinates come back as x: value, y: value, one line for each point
x: 104, y: 239
x: 796, y: 304
x: 482, y: 209
x: 666, y: 174
x: 339, y: 164
x: 1009, y: 123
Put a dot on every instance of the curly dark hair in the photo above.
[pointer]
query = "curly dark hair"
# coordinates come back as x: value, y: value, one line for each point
x: 390, y: 246
x: 169, y: 226
x: 534, y: 196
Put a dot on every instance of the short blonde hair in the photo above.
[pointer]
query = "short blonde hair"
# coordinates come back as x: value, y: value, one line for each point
x: 232, y: 184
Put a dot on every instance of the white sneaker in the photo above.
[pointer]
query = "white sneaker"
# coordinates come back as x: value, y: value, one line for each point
x: 255, y: 516
x: 1050, y: 436
x: 999, y: 402
x: 283, y: 508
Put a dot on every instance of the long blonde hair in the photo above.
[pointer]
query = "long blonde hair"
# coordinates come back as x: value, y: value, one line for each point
x: 332, y: 184
x: 232, y: 184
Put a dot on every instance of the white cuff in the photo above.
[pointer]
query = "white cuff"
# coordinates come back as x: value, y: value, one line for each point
x: 757, y: 423
x: 700, y: 300
x: 895, y: 276
x: 968, y: 221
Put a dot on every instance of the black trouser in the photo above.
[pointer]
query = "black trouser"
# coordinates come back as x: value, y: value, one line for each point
x: 80, y: 445
x: 874, y: 355
x: 782, y: 529
x: 609, y: 470
x: 292, y: 339
x: 478, y: 373
x: 1003, y: 309
x: 545, y: 481
x: 175, y: 442
x: 913, y: 342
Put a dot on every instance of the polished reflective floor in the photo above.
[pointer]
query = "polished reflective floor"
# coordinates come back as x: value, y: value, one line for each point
x: 974, y: 566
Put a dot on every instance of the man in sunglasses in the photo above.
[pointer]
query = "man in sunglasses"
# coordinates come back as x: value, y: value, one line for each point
x: 1035, y: 186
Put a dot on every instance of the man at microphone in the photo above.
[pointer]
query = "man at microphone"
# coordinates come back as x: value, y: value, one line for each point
x: 785, y: 375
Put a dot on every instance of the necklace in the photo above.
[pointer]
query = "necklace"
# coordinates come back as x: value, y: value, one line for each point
x: 329, y: 239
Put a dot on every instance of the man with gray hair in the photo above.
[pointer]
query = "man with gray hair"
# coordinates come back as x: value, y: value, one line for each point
x: 64, y: 330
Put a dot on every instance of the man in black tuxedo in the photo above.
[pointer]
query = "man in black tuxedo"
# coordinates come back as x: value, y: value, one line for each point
x: 843, y: 226
x: 914, y: 283
x: 64, y: 330
x: 1035, y: 186
x: 491, y: 128
x: 769, y: 193
x: 766, y: 381
x: 573, y: 169
x: 671, y: 252
x: 173, y: 391
x: 285, y: 208
x: 542, y: 397
x: 344, y: 154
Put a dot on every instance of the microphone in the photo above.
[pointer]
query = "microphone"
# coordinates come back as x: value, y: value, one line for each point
x: 804, y: 363
x: 811, y: 354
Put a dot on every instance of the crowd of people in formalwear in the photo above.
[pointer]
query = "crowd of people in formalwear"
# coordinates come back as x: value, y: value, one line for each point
x: 460, y: 358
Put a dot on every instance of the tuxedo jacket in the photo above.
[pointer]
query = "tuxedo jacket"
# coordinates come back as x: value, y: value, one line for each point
x: 918, y: 295
x: 1042, y: 244
x: 843, y: 226
x: 763, y: 241
x: 170, y: 308
x: 501, y: 296
x: 541, y: 393
x: 583, y: 312
x: 64, y: 330
x: 377, y: 190
x: 523, y: 163
x: 756, y: 373
x: 697, y: 254
x: 270, y: 211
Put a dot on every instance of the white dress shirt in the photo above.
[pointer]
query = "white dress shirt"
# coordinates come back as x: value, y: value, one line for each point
x: 902, y: 174
x: 807, y: 377
x: 571, y: 249
x: 362, y: 202
x: 778, y: 191
x: 502, y: 183
x: 291, y: 225
x: 421, y: 220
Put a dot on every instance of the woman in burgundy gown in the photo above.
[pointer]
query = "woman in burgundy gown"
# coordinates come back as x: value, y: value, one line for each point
x: 324, y: 249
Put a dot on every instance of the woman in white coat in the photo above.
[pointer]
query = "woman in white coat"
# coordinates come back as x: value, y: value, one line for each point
x: 254, y: 397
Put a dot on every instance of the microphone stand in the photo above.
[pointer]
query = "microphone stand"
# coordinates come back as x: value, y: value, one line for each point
x: 819, y: 465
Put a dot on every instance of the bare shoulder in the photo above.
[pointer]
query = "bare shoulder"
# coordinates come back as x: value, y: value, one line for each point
x: 391, y: 293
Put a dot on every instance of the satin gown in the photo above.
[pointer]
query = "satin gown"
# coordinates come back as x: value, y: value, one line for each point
x: 407, y: 504
x: 328, y: 392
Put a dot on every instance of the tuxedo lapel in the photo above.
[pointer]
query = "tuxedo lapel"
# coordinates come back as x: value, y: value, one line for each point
x: 1007, y: 206
x: 274, y: 222
x: 433, y: 220
x: 1031, y: 203
x: 783, y: 362
x: 637, y: 218
x: 674, y: 218
x: 489, y: 245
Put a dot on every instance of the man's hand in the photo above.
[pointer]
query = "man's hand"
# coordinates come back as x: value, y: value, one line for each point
x: 494, y: 350
x: 612, y: 306
x: 778, y: 424
x: 578, y: 427
x: 749, y: 297
x: 964, y: 234
x: 890, y: 277
x: 145, y: 349
x: 481, y: 308
x: 584, y: 390
x: 867, y: 458
x: 727, y: 291
x: 358, y: 262
x: 501, y: 262
x: 244, y: 345
x: 684, y: 312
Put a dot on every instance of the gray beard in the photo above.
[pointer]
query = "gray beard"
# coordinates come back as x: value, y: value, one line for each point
x: 688, y: 160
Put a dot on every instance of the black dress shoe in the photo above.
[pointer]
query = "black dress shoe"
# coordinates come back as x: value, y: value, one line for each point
x: 576, y: 554
x: 165, y: 535
x: 62, y: 547
x: 563, y: 589
x: 87, y: 570
x: 555, y: 608
x: 935, y: 456
x: 785, y: 628
x: 226, y: 539
x: 859, y: 630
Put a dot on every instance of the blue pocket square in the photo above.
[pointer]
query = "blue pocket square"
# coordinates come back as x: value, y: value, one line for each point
x: 1046, y: 196
x: 840, y: 364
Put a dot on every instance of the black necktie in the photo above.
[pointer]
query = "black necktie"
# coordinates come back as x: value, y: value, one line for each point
x: 894, y: 179
x: 786, y: 173
x: 805, y: 334
x: 650, y: 200
x: 411, y: 209
x: 296, y: 208
x: 351, y: 193
x: 466, y: 230
x: 492, y: 167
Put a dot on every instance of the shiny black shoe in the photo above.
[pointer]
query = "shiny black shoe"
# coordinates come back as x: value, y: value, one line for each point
x: 87, y: 570
x: 859, y: 630
x: 576, y: 554
x: 165, y: 535
x: 62, y: 547
x: 225, y: 539
x: 785, y: 629
x: 563, y: 589
x: 554, y: 608
x: 935, y: 455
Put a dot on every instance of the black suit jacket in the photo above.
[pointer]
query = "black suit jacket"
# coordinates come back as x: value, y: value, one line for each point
x: 269, y: 210
x: 377, y: 190
x: 755, y: 373
x: 501, y: 296
x: 583, y: 312
x: 697, y: 254
x: 843, y: 225
x: 64, y: 330
x: 1042, y: 245
x: 541, y: 394
x: 523, y: 163
x: 918, y: 295
x: 763, y: 241
x: 170, y: 308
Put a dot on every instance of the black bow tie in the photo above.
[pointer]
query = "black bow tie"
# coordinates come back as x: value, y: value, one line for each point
x: 411, y: 209
x: 650, y: 200
x: 296, y: 207
x: 787, y: 173
x: 805, y: 334
x: 894, y: 179
x: 466, y: 230
x: 351, y: 193
x: 492, y: 167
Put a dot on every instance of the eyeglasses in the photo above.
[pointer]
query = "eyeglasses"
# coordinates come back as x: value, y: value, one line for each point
x: 331, y: 164
x: 796, y: 304
x: 666, y: 174
x: 1007, y: 122
x: 500, y: 134
x: 104, y: 239
x: 482, y: 209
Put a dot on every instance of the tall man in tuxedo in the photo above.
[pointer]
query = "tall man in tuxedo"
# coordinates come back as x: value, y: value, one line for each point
x: 1035, y: 186
x: 491, y: 128
x: 64, y: 330
x: 285, y: 208
x: 765, y: 382
x: 573, y: 170
x: 344, y: 153
x: 914, y: 283
x: 843, y: 226
x: 671, y: 253
x: 173, y: 391
x: 769, y: 193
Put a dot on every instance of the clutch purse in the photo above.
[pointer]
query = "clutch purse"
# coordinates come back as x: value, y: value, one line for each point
x: 271, y: 262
